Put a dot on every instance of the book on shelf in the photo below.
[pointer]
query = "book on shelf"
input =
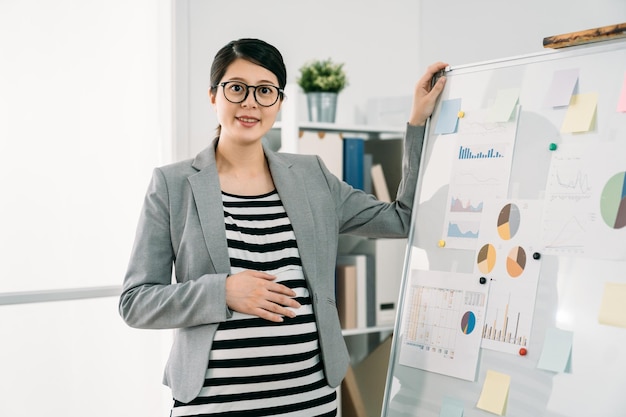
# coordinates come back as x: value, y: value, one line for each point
x: 379, y: 183
x: 346, y: 295
x: 365, y: 296
x: 388, y: 153
x: 353, y: 161
x: 368, y: 159
x: 387, y: 258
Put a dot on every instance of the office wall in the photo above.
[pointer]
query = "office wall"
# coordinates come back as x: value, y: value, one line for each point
x: 385, y: 45
x: 377, y: 41
x: 466, y: 32
x: 84, y: 117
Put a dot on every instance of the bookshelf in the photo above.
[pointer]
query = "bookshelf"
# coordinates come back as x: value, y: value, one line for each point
x: 385, y: 145
x: 367, y: 330
x: 290, y: 126
x: 369, y: 131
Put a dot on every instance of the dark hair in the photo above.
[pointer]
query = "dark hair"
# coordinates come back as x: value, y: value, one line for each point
x: 254, y: 50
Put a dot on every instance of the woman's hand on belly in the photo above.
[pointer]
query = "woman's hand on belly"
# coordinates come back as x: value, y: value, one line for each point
x: 256, y: 293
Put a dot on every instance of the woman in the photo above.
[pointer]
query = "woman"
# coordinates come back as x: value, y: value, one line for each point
x: 253, y: 238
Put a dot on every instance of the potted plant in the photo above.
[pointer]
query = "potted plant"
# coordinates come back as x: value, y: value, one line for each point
x: 321, y: 81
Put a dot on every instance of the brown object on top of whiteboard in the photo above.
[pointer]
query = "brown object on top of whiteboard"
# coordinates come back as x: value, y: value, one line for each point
x: 586, y: 36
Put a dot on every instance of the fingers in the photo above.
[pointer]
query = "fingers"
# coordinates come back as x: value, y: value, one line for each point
x: 437, y: 88
x: 275, y: 311
x: 426, y: 94
x: 256, y: 293
x: 274, y: 306
x: 436, y: 67
x: 424, y: 84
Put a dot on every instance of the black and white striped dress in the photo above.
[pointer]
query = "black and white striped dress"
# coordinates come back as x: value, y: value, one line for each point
x: 257, y: 367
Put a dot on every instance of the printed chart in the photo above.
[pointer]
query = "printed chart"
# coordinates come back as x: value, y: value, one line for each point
x: 509, y: 236
x: 516, y: 261
x: 507, y: 324
x: 508, y: 221
x: 486, y: 259
x: 442, y: 322
x: 481, y: 166
x: 568, y: 215
x: 613, y: 201
x: 585, y: 202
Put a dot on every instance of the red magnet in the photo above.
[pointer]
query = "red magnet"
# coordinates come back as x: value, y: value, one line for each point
x: 523, y: 351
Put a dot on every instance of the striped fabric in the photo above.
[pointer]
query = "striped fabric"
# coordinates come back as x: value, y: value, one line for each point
x: 257, y: 367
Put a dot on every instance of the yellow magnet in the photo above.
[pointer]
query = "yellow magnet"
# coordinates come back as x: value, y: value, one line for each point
x: 441, y: 243
x: 461, y: 114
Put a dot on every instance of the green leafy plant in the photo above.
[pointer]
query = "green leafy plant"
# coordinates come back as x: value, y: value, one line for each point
x: 322, y: 76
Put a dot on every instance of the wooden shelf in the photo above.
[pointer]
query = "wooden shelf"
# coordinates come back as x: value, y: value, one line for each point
x: 377, y: 132
x: 366, y: 330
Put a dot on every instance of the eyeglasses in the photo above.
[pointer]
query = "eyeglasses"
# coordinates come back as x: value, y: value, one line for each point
x: 237, y: 92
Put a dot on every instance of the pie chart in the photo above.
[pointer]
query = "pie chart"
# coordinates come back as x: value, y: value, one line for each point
x: 468, y: 322
x: 486, y: 258
x: 613, y: 201
x: 516, y: 261
x: 508, y: 221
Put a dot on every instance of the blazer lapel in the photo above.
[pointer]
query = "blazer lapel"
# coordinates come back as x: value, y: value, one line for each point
x: 205, y: 186
x: 208, y: 198
x: 293, y: 195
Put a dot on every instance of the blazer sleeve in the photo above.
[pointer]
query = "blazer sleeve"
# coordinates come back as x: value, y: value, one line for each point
x: 149, y: 299
x: 362, y: 214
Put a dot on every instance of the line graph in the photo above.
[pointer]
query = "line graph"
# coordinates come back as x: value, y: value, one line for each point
x: 565, y: 237
x: 579, y: 183
x: 569, y: 215
x: 481, y: 168
x: 459, y: 206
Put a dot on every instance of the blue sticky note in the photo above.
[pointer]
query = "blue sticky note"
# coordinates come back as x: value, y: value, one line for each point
x: 451, y: 407
x: 448, y: 116
x: 557, y: 350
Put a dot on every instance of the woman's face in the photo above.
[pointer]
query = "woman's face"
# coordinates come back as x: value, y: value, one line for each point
x: 247, y: 121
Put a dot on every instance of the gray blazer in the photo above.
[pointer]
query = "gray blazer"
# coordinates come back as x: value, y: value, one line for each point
x: 182, y: 224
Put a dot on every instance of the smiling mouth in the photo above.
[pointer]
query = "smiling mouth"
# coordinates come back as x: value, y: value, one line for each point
x: 247, y: 119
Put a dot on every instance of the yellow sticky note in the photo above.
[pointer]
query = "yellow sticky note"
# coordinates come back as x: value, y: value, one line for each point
x: 580, y: 113
x: 613, y: 307
x: 495, y: 393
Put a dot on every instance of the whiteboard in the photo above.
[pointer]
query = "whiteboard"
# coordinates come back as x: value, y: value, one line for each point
x: 535, y: 183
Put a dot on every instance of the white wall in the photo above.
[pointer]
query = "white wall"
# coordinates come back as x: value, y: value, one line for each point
x: 465, y: 32
x: 85, y: 115
x: 385, y: 45
x: 377, y: 41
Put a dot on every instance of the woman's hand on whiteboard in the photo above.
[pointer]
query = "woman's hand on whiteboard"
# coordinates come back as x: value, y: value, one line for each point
x: 426, y: 94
